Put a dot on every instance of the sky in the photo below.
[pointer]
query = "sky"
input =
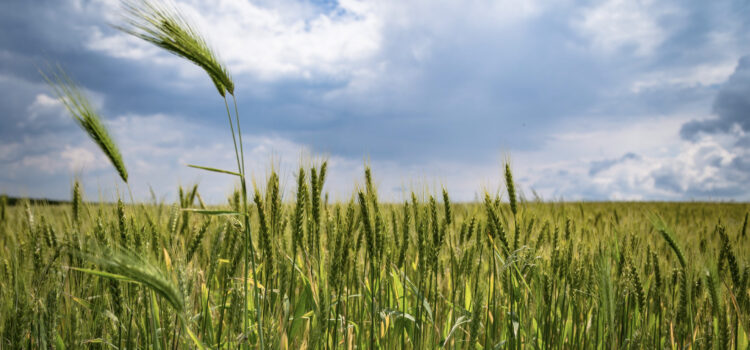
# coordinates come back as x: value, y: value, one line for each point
x: 588, y: 100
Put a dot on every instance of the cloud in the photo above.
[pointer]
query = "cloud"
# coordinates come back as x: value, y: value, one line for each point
x: 709, y: 74
x: 715, y: 162
x: 50, y: 159
x: 79, y: 158
x: 271, y: 41
x: 588, y: 99
x: 158, y: 147
x: 731, y: 106
x: 602, y: 165
x: 705, y: 169
x: 442, y: 85
x: 43, y: 104
x: 701, y: 170
x: 643, y: 161
x: 633, y: 26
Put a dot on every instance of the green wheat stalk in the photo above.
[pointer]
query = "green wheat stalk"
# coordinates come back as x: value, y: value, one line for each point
x: 82, y: 111
x: 163, y: 25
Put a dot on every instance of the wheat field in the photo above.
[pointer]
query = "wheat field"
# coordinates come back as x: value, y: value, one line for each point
x: 365, y: 274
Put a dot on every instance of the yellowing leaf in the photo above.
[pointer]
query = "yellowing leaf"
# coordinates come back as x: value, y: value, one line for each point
x: 167, y: 260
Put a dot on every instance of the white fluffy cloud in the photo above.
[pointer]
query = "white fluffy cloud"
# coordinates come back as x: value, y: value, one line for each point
x: 283, y: 39
x: 279, y: 40
x: 625, y: 24
x: 643, y: 161
x: 685, y: 77
x: 64, y: 160
x: 44, y: 104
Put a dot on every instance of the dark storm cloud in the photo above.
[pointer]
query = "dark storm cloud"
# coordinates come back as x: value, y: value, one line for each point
x: 732, y: 106
x: 497, y: 89
x: 731, y: 122
x: 459, y: 105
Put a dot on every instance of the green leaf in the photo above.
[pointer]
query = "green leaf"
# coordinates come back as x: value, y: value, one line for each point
x: 212, y: 212
x: 105, y: 274
x: 155, y: 321
x: 59, y: 343
x: 460, y: 321
x: 199, y: 344
x: 214, y: 170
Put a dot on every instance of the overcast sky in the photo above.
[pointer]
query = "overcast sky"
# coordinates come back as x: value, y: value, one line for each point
x: 589, y: 100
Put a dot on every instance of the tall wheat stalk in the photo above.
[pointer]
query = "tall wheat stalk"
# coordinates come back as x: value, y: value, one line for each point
x: 163, y: 25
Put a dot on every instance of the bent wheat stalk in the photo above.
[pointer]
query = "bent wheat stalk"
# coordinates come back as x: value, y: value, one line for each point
x: 85, y: 116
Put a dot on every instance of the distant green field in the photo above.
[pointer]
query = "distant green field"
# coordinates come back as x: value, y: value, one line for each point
x: 365, y: 274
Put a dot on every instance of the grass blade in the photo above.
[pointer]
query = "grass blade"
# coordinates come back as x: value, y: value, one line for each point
x: 214, y: 170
